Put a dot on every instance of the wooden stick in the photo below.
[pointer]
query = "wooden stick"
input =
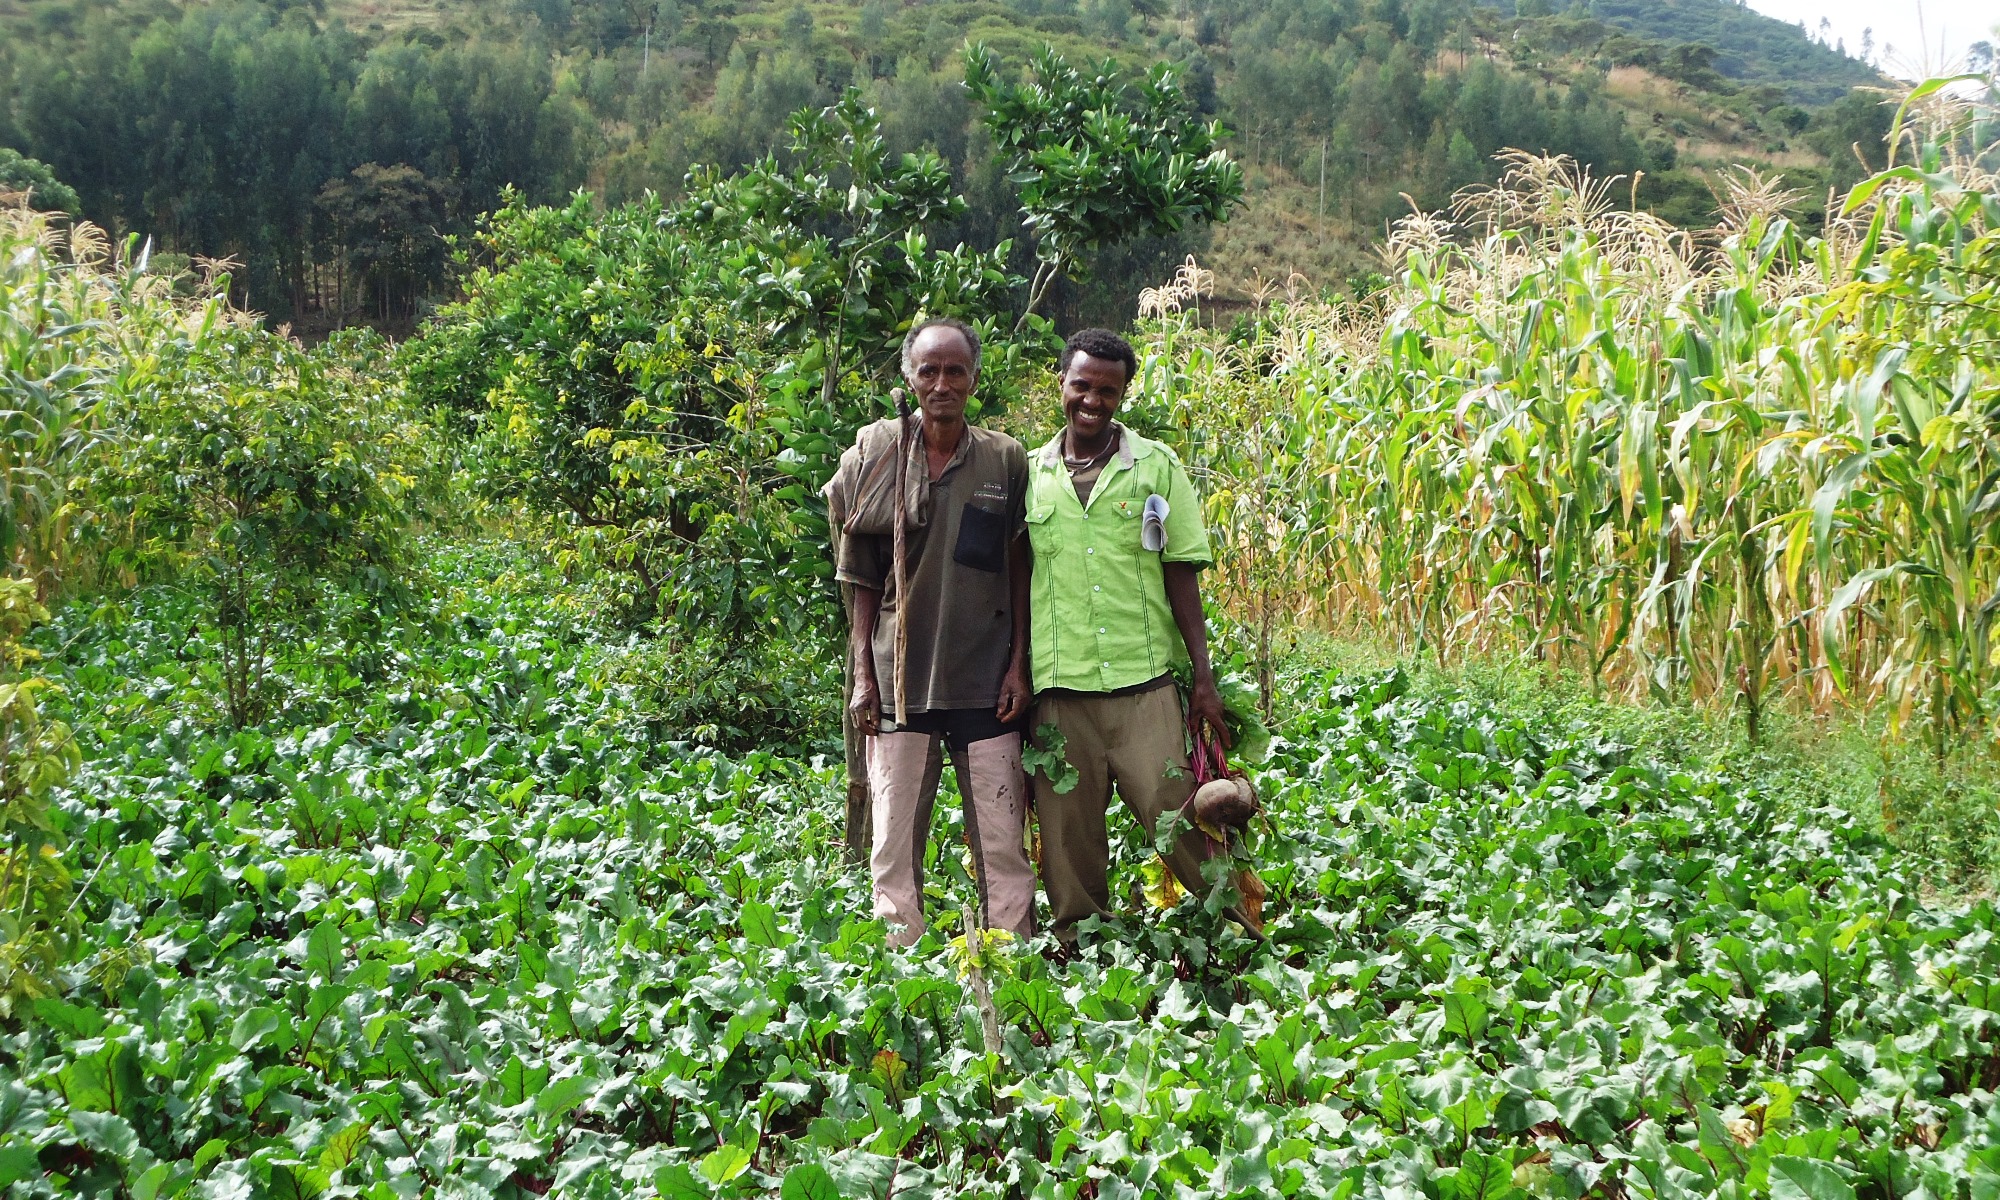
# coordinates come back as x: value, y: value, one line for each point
x: 899, y: 557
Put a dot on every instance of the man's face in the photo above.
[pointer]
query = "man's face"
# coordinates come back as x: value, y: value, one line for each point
x: 1092, y: 389
x: 941, y: 372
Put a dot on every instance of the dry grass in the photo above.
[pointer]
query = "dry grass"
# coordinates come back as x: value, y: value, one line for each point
x: 394, y: 16
x: 1717, y: 136
x: 1279, y: 233
x: 363, y: 16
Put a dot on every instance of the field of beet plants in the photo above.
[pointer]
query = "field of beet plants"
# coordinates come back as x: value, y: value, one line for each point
x: 419, y: 774
x: 488, y: 932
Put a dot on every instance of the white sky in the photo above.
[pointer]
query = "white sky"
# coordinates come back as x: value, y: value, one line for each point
x: 1954, y: 23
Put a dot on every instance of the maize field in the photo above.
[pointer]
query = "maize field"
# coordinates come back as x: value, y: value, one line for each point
x: 1746, y: 465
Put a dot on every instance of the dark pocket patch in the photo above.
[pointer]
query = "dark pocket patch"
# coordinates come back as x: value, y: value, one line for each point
x: 982, y: 540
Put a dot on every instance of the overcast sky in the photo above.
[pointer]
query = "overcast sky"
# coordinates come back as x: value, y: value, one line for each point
x: 1955, y: 23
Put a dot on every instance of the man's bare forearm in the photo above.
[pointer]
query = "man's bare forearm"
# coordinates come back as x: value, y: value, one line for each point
x: 861, y: 636
x: 1184, y: 597
x: 1020, y: 572
x: 1015, y: 693
x: 864, y: 706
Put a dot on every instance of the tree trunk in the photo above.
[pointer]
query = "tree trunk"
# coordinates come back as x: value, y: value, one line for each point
x: 1045, y: 275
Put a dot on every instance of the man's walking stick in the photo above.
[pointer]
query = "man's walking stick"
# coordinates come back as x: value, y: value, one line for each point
x: 899, y: 554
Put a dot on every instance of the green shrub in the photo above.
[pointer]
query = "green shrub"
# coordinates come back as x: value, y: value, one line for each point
x: 775, y: 694
x: 19, y: 173
x: 278, y: 484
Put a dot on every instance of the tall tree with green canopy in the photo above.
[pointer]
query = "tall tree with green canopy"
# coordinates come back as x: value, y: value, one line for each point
x: 385, y: 223
x: 1097, y: 163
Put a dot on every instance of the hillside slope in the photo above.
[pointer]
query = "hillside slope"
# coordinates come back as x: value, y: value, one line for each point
x: 1751, y: 48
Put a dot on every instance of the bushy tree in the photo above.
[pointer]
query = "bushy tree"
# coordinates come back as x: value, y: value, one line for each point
x: 1097, y: 162
x: 671, y: 385
x: 383, y: 225
x: 598, y: 353
x: 19, y: 173
x: 279, y: 486
x: 1853, y: 134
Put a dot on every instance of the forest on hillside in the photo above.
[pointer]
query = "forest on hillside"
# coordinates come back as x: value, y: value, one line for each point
x: 335, y: 151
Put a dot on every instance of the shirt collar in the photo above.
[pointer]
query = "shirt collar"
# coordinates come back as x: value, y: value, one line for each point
x: 1129, y: 447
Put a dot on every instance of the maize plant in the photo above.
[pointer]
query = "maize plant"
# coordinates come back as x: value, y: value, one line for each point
x: 1743, y: 464
x: 37, y: 916
x: 83, y: 325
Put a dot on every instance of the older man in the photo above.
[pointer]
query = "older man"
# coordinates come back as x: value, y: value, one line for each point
x: 1118, y: 541
x: 939, y: 640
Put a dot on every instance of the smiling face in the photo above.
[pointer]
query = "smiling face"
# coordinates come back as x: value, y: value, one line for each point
x: 941, y: 373
x: 1092, y: 390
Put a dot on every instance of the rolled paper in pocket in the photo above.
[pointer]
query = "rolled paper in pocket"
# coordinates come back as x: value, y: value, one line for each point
x: 1153, y: 523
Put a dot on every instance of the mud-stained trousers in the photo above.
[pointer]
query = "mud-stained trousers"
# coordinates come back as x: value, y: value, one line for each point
x: 903, y: 773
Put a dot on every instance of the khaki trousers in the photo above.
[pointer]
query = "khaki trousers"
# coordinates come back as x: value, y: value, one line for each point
x: 1138, y: 743
x: 903, y: 773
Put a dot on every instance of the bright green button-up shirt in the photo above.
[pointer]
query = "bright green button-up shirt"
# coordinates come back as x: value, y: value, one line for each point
x: 1098, y: 613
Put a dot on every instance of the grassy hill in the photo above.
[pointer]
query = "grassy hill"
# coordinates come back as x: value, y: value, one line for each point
x: 1345, y: 111
x: 1750, y: 47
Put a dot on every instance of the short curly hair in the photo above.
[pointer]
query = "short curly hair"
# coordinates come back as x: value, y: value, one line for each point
x: 1099, y: 343
x: 965, y: 331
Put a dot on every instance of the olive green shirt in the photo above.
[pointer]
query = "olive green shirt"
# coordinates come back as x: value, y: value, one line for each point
x: 1098, y: 616
x: 960, y: 608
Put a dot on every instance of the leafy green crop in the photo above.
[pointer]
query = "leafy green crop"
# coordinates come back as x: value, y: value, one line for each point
x: 1046, y: 752
x: 477, y: 931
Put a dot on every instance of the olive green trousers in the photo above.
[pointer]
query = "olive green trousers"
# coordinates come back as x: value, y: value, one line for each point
x: 1136, y: 743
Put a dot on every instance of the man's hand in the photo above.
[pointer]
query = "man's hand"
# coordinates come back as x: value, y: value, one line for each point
x: 1205, y: 706
x: 1014, y: 694
x: 865, y: 708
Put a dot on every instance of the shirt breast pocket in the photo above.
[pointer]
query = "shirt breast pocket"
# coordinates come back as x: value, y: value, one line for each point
x: 1044, y: 532
x: 1129, y: 524
x: 982, y: 539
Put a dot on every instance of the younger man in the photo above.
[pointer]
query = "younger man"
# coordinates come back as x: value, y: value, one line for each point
x: 1118, y: 541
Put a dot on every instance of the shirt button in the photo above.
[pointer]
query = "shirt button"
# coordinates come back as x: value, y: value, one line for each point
x: 1107, y: 666
x: 1090, y: 549
x: 1100, y: 629
x: 1096, y: 587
